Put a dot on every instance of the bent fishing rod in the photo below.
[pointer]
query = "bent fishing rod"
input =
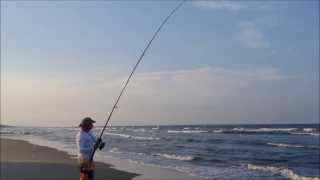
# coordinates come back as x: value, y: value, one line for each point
x: 132, y: 72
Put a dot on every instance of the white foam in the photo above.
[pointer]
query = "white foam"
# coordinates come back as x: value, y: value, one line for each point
x: 145, y: 138
x: 218, y: 131
x: 117, y: 134
x: 132, y: 137
x: 309, y: 129
x: 282, y: 171
x: 264, y: 129
x: 136, y: 130
x: 115, y: 150
x: 165, y: 172
x: 113, y: 129
x: 187, y: 131
x: 238, y: 129
x: 176, y: 157
x: 308, y: 134
x: 293, y: 145
x: 315, y: 134
x: 286, y: 145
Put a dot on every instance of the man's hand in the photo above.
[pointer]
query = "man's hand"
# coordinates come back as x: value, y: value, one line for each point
x: 102, y: 144
x: 97, y: 144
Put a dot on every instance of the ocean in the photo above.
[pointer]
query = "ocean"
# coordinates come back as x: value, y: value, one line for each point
x: 209, y: 151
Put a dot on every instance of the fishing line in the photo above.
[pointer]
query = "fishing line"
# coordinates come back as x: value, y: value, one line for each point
x: 134, y: 69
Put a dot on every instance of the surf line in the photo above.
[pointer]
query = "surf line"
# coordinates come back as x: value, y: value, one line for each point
x: 133, y: 71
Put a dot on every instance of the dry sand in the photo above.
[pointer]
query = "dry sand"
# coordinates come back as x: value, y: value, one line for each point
x: 21, y: 160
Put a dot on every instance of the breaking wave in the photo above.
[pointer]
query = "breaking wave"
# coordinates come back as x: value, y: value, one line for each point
x: 115, y: 150
x: 187, y: 131
x: 133, y: 137
x: 292, y: 145
x: 305, y: 133
x: 287, y: 131
x: 176, y: 157
x: 217, y: 131
x: 282, y: 171
x: 286, y: 145
x: 136, y: 130
x: 309, y: 129
x: 264, y: 129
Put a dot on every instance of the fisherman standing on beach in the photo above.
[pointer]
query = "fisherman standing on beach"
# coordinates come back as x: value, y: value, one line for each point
x: 86, y: 144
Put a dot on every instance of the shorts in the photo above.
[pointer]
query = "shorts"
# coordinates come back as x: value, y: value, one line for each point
x: 86, y: 167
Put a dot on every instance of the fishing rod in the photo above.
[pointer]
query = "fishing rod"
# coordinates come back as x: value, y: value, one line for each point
x: 132, y: 72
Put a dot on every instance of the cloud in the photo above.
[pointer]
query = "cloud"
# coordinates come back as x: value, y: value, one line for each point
x: 232, y: 6
x: 251, y: 36
x: 203, y: 95
x: 220, y: 5
x: 250, y: 33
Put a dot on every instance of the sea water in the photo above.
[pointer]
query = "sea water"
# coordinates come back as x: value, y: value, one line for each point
x: 207, y: 151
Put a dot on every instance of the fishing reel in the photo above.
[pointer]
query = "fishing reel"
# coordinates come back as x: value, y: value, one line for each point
x: 99, y: 144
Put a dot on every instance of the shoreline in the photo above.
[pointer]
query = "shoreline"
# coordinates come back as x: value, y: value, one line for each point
x: 26, y: 158
x: 23, y: 160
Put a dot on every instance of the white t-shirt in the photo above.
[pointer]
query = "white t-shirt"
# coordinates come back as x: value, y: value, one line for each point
x: 85, y: 144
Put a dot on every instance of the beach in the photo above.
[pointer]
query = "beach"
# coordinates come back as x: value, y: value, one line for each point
x: 168, y: 152
x: 22, y: 160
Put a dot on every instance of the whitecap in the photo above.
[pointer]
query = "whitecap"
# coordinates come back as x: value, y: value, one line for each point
x: 308, y: 134
x: 145, y: 138
x: 309, y: 129
x: 176, y: 157
x: 136, y: 130
x: 264, y: 129
x: 115, y: 150
x: 286, y: 145
x: 187, y: 131
x: 132, y: 137
x: 120, y: 135
x: 218, y: 131
x: 280, y: 170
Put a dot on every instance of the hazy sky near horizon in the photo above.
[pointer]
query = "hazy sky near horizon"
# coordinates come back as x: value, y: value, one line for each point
x: 215, y: 62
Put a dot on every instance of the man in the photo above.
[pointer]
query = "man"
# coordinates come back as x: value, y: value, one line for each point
x: 86, y: 144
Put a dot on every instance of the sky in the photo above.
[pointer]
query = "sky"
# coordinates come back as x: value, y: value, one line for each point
x: 214, y: 62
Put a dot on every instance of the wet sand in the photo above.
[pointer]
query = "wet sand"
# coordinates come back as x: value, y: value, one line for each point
x: 21, y: 160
